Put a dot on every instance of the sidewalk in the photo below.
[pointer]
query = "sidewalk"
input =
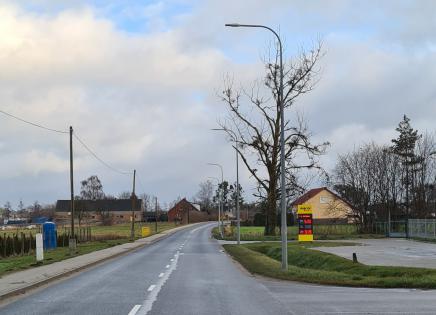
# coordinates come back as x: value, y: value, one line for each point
x: 18, y: 282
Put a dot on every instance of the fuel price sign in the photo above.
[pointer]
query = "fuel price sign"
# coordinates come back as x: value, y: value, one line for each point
x: 305, y: 223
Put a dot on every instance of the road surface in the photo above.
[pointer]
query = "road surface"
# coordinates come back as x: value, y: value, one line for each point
x: 389, y: 252
x: 187, y: 273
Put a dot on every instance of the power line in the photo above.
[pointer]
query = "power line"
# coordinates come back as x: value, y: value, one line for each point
x: 141, y: 184
x: 98, y: 158
x: 65, y: 132
x: 32, y: 123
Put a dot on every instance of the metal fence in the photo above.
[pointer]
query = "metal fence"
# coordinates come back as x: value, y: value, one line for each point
x: 422, y: 228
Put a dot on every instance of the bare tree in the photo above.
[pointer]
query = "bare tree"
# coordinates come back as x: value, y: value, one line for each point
x: 204, y: 195
x: 7, y: 210
x: 380, y: 183
x: 125, y: 195
x: 92, y: 189
x: 254, y: 116
x: 149, y: 202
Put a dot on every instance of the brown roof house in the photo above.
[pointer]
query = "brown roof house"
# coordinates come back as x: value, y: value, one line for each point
x: 186, y: 212
x: 115, y: 210
x: 327, y: 206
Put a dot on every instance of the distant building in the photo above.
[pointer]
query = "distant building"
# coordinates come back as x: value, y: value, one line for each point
x: 186, y: 212
x: 327, y: 206
x: 117, y: 210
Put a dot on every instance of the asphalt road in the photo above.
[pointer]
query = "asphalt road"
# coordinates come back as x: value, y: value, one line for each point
x: 187, y: 273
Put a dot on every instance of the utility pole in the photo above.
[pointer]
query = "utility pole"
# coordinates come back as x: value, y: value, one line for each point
x: 234, y: 138
x: 72, y: 240
x: 155, y: 211
x: 221, y: 195
x: 188, y: 215
x: 132, y: 229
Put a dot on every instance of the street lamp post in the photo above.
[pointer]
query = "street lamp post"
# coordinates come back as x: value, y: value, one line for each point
x: 282, y: 147
x: 238, y: 218
x: 219, y: 200
x: 221, y: 197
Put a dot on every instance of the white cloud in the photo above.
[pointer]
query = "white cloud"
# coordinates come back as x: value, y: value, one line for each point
x: 146, y: 100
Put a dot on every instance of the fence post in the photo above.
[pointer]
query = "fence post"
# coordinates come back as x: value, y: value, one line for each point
x: 22, y: 244
x: 425, y: 227
x: 434, y: 228
x: 4, y: 245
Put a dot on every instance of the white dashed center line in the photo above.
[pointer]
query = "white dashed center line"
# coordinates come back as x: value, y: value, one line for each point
x: 134, y: 310
x: 167, y: 266
x: 161, y: 275
x: 150, y: 288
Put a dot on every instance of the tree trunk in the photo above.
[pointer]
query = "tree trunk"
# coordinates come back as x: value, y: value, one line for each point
x: 271, y: 211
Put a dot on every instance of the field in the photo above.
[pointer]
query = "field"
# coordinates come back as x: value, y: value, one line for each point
x: 120, y: 230
x: 313, y: 266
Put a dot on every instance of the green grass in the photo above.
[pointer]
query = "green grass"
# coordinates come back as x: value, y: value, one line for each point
x: 123, y: 230
x: 329, y: 232
x: 13, y: 264
x: 313, y: 266
x: 120, y: 232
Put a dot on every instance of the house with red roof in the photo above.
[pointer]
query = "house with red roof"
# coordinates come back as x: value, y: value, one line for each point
x: 327, y: 206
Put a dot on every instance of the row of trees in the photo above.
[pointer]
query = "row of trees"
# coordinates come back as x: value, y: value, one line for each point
x: 396, y: 179
x: 7, y: 212
x: 208, y: 198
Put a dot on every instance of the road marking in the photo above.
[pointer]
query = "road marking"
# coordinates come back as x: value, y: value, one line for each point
x: 167, y: 266
x: 134, y: 310
x: 195, y: 230
x: 150, y: 288
x: 152, y: 296
x: 172, y: 259
x: 161, y: 275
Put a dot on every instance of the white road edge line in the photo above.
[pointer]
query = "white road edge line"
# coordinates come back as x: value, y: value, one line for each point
x: 161, y: 275
x: 134, y: 310
x: 150, y: 288
x: 152, y: 296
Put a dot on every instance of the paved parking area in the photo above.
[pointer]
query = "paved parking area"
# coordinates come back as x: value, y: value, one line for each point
x: 389, y: 252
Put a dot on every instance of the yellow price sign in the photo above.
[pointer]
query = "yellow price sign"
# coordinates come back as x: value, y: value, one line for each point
x: 304, y: 209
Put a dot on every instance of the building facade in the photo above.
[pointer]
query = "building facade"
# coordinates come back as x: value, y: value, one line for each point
x: 185, y: 212
x: 327, y: 206
x: 94, y: 211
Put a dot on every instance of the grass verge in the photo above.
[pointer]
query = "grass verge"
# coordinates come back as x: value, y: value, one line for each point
x: 255, y: 233
x: 122, y: 231
x: 308, y: 265
x: 18, y: 263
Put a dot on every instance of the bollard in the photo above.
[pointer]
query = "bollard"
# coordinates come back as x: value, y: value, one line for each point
x: 39, y: 247
x: 354, y: 258
x: 72, y: 246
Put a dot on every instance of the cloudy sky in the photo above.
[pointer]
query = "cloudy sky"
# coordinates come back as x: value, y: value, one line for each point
x: 138, y: 82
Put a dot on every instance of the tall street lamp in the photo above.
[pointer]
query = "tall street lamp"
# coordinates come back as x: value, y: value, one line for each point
x: 221, y: 196
x: 238, y: 219
x: 219, y: 200
x: 282, y: 147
